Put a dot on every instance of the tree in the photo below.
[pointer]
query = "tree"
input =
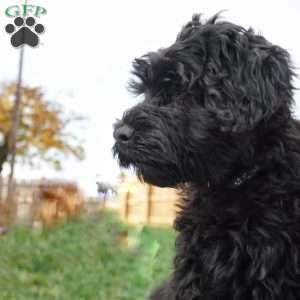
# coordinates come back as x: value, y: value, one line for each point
x: 44, y: 131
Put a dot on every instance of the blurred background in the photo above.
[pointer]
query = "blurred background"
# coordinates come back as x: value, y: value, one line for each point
x: 72, y: 224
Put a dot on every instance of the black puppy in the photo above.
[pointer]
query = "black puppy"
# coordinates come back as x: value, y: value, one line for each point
x: 217, y: 122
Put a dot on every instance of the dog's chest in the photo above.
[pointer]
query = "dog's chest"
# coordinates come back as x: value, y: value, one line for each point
x: 232, y: 241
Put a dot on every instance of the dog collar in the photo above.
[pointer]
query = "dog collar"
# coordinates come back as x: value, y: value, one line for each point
x: 245, y: 177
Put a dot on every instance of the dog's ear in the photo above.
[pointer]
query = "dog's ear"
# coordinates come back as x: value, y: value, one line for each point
x: 248, y: 81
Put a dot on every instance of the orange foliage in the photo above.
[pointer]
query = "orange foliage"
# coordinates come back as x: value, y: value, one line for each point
x: 44, y: 131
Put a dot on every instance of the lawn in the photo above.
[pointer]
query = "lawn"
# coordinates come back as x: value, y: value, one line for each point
x: 85, y: 259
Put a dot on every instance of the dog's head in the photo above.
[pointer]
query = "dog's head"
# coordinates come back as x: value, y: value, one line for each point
x: 205, y: 98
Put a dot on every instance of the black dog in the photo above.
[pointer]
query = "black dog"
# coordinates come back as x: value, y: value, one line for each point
x: 216, y: 121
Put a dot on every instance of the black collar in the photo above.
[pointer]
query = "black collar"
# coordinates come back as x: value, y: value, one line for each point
x: 244, y: 177
x: 238, y: 180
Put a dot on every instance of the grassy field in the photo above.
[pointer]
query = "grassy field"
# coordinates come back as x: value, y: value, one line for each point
x: 86, y: 259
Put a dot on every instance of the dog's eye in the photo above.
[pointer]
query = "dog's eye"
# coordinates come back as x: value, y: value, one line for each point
x: 213, y: 94
x: 162, y: 101
x: 161, y: 98
x: 212, y: 70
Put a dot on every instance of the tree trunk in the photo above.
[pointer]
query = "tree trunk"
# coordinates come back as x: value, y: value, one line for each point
x: 3, y: 152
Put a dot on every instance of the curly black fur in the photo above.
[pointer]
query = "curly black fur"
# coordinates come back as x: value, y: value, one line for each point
x: 216, y: 121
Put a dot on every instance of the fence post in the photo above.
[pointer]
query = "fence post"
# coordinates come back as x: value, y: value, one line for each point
x: 1, y: 188
x: 126, y: 206
x: 149, y: 203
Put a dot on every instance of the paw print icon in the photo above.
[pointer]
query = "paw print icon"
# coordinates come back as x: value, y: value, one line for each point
x: 24, y: 31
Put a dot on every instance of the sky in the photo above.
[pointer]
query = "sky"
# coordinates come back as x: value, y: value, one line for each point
x: 85, y: 54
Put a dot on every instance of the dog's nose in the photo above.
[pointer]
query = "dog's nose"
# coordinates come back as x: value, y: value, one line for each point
x: 123, y: 133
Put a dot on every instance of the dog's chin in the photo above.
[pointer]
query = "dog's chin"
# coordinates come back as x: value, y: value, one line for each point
x: 156, y: 176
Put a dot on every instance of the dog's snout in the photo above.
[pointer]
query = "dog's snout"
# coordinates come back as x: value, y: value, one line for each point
x: 123, y: 133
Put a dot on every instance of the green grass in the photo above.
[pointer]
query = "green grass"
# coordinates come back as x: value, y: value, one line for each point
x: 84, y: 260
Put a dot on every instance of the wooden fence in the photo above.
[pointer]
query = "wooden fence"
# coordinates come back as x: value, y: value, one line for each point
x: 144, y: 203
x: 44, y: 202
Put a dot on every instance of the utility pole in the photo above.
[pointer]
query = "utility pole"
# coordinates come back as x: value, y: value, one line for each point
x: 14, y: 129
